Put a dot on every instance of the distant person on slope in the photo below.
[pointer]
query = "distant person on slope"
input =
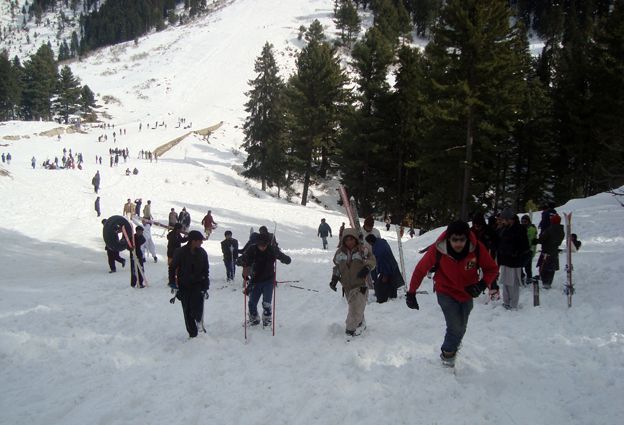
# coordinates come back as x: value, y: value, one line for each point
x: 229, y: 249
x: 95, y: 181
x: 323, y: 231
x: 113, y: 256
x: 139, y: 241
x: 97, y: 206
x: 128, y: 210
x: 548, y: 262
x: 173, y: 218
x: 208, y: 223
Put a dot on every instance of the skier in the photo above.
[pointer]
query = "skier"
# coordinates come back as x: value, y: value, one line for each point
x: 229, y: 248
x: 457, y: 256
x: 323, y: 231
x: 128, y: 210
x: 548, y: 262
x: 258, y: 263
x: 97, y: 206
x: 147, y: 210
x: 352, y: 264
x: 389, y: 276
x: 531, y: 230
x: 95, y: 181
x: 208, y: 223
x: 189, y: 274
x: 174, y: 241
x: 173, y: 218
x: 139, y: 241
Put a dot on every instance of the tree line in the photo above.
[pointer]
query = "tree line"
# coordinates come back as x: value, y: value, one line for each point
x: 37, y: 90
x: 473, y: 122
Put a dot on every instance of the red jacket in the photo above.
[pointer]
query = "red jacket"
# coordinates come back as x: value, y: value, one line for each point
x: 453, y: 276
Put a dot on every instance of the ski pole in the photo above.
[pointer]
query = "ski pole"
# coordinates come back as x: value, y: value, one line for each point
x: 274, y: 279
x: 245, y: 307
x: 287, y: 281
x: 301, y: 287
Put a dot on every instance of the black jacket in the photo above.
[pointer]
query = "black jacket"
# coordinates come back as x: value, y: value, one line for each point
x: 139, y: 240
x: 191, y: 269
x: 174, y: 241
x: 513, y: 246
x: 229, y: 248
x: 258, y: 264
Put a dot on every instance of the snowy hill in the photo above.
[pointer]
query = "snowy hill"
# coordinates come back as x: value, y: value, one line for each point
x: 78, y: 345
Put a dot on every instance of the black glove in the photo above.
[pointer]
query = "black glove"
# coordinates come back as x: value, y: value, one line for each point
x: 494, y: 286
x: 285, y: 259
x: 410, y: 300
x: 476, y: 289
x: 363, y: 290
x: 205, y: 294
x: 239, y: 261
x: 363, y: 273
x: 333, y: 283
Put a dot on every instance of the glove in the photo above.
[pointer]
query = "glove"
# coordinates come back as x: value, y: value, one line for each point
x: 476, y: 289
x: 494, y: 289
x: 363, y: 290
x: 286, y: 260
x: 410, y: 300
x: 239, y: 261
x: 205, y: 294
x: 333, y: 283
x: 363, y: 273
x: 248, y: 289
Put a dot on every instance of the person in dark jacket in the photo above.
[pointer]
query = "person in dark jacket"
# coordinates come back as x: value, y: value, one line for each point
x: 459, y: 256
x: 389, y: 276
x: 253, y: 238
x: 547, y: 212
x: 548, y: 262
x: 95, y: 181
x: 258, y: 263
x: 323, y: 231
x: 485, y: 234
x: 97, y: 206
x: 229, y: 248
x: 139, y: 240
x: 513, y: 247
x: 174, y: 241
x: 184, y: 218
x: 113, y: 256
x: 189, y: 274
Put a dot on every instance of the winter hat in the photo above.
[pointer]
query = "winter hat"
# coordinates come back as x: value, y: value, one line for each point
x: 371, y: 239
x: 139, y: 228
x: 555, y: 219
x: 507, y: 213
x: 263, y: 239
x: 194, y: 235
x: 369, y: 221
x: 458, y: 228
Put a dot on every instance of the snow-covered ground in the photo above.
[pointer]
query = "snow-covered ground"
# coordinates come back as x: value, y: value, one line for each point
x: 79, y: 345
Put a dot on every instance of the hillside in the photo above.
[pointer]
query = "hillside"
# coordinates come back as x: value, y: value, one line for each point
x: 78, y: 345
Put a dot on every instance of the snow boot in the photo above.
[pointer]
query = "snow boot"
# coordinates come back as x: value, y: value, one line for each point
x: 254, y: 320
x: 448, y: 359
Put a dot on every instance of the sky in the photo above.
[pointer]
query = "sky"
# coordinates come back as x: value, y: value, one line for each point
x: 79, y: 345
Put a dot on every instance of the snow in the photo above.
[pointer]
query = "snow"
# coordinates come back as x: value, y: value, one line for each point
x: 79, y: 345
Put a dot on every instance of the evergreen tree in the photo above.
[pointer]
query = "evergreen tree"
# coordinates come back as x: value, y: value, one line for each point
x: 68, y: 93
x: 10, y: 89
x: 424, y: 13
x: 347, y: 21
x: 264, y: 125
x: 315, y: 95
x: 40, y: 76
x: 87, y: 100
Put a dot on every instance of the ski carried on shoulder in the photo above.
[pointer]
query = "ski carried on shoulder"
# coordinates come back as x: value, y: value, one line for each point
x: 569, y: 287
x: 399, y: 232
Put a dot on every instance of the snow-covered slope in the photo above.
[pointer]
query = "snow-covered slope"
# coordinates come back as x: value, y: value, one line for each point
x: 78, y: 345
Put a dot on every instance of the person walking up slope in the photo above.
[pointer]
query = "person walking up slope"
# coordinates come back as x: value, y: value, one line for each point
x: 189, y: 274
x: 323, y: 231
x: 229, y: 248
x: 458, y: 256
x: 352, y: 264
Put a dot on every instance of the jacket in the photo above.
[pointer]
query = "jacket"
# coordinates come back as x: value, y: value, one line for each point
x: 532, y: 236
x: 128, y: 208
x: 139, y: 240
x: 258, y: 264
x: 174, y: 241
x: 386, y: 263
x: 208, y: 222
x: 173, y: 218
x: 452, y: 276
x: 350, y: 262
x: 147, y: 211
x: 190, y: 268
x: 551, y: 239
x: 513, y: 246
x: 324, y: 230
x: 229, y: 249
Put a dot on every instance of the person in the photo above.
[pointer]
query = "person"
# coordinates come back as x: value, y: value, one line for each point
x: 547, y: 212
x: 258, y: 263
x: 128, y: 210
x: 137, y: 206
x: 113, y: 256
x: 576, y: 244
x: 173, y: 218
x: 95, y: 181
x: 189, y: 275
x: 531, y: 230
x: 149, y: 245
x: 208, y: 223
x: 389, y: 276
x: 184, y: 218
x: 139, y: 241
x: 342, y: 227
x: 253, y: 238
x: 457, y: 256
x: 352, y: 264
x: 33, y: 162
x: 485, y: 234
x: 388, y: 223
x: 174, y: 241
x: 513, y: 248
x: 548, y: 261
x: 323, y: 231
x: 127, y: 169
x: 412, y: 232
x: 229, y: 248
x: 369, y: 229
x: 8, y: 158
x: 147, y: 210
x: 97, y: 206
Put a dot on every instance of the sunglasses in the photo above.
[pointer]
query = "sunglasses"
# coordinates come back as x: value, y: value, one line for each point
x: 461, y: 239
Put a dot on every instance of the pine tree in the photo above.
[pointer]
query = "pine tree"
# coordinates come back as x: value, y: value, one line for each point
x: 68, y: 92
x: 87, y: 100
x: 10, y: 89
x: 315, y: 95
x: 347, y: 21
x: 264, y: 125
x: 40, y: 76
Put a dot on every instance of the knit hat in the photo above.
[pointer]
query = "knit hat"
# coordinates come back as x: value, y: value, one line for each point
x: 458, y: 228
x: 507, y: 213
x: 555, y: 219
x: 371, y: 239
x: 194, y: 235
x: 263, y: 239
x: 369, y: 221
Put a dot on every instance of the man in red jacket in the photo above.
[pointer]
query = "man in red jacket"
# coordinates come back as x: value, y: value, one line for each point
x: 457, y: 257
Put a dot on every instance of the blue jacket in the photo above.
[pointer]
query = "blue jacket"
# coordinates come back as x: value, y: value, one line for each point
x: 386, y: 263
